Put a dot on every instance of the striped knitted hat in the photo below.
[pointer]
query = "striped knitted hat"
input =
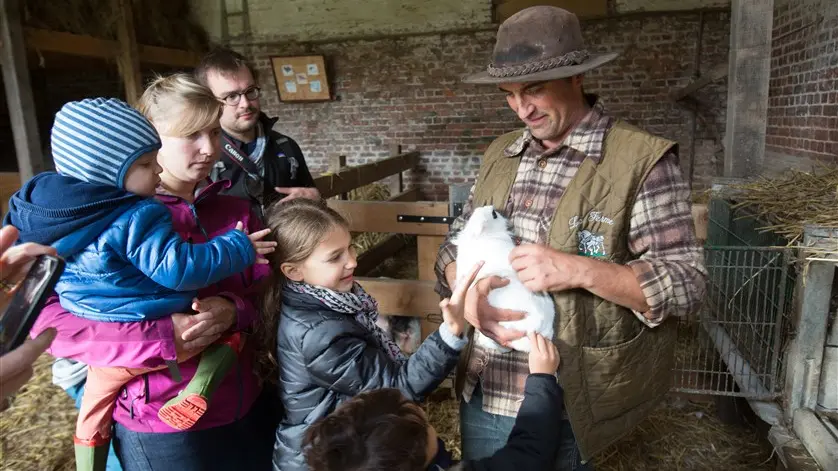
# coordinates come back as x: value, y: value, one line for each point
x: 97, y: 139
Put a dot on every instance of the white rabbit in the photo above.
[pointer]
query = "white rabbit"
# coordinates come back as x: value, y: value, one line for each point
x: 487, y: 236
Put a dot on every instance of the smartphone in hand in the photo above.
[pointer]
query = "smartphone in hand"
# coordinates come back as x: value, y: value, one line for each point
x: 28, y: 300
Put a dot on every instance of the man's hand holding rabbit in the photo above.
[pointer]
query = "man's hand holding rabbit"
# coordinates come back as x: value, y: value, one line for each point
x: 485, y: 317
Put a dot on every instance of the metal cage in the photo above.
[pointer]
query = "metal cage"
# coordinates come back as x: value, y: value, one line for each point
x: 733, y: 345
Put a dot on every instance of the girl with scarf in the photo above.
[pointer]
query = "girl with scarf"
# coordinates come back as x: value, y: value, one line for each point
x: 322, y: 325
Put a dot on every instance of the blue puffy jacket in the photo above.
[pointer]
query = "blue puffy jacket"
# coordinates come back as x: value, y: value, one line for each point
x: 124, y: 260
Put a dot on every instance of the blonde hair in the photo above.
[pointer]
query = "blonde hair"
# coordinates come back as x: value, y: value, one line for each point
x: 297, y: 226
x: 178, y: 106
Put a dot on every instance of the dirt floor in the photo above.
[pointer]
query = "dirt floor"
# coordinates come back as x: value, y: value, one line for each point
x: 684, y: 434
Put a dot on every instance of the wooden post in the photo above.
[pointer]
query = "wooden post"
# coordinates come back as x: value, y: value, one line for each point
x: 396, y: 149
x: 337, y: 162
x: 30, y: 159
x: 129, y: 56
x: 427, y: 248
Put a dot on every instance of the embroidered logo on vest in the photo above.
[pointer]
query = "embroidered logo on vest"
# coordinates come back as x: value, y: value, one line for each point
x: 590, y: 244
x: 594, y: 216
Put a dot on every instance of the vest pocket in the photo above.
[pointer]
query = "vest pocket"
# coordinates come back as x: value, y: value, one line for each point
x: 622, y: 377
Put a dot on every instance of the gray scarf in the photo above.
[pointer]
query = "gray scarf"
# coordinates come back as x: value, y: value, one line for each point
x: 357, y: 303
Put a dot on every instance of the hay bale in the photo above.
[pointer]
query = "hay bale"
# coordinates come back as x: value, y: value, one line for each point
x: 793, y: 200
x: 363, y: 241
x: 36, y: 431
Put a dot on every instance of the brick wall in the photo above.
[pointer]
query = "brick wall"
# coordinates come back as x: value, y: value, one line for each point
x: 408, y: 91
x: 307, y: 19
x: 803, y: 97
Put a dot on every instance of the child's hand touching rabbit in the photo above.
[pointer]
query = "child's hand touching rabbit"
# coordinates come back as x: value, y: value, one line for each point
x: 453, y: 309
x: 544, y: 357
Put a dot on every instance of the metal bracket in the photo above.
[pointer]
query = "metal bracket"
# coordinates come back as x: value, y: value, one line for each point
x: 425, y: 219
x: 456, y: 209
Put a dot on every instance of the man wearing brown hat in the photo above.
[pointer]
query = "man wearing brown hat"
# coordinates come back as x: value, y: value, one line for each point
x: 604, y: 219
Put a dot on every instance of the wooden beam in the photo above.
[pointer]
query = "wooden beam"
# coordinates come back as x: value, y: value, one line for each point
x: 701, y: 218
x: 427, y: 248
x: 168, y: 56
x: 336, y: 164
x: 83, y: 45
x: 24, y: 123
x: 68, y: 43
x: 377, y: 254
x: 407, y: 195
x: 9, y: 184
x: 382, y: 216
x: 129, y: 55
x: 412, y: 298
x: 716, y: 73
x: 332, y: 184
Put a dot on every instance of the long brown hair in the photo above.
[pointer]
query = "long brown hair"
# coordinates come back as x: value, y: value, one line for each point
x: 298, y: 226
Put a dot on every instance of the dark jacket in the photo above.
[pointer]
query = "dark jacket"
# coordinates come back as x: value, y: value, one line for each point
x: 326, y: 358
x: 534, y: 440
x: 284, y: 167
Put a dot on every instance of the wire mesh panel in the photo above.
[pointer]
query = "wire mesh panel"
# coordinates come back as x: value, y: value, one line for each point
x: 732, y: 346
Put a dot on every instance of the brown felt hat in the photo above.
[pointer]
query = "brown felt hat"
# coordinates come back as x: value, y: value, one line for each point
x: 539, y: 43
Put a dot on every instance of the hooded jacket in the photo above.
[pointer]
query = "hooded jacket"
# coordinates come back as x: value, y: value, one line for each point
x: 124, y: 261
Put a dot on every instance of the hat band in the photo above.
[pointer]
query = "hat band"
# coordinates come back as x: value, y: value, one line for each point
x: 571, y: 58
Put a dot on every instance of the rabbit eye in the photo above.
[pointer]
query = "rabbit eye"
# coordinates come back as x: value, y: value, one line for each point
x: 494, y: 215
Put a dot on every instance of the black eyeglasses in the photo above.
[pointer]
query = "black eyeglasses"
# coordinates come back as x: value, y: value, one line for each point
x: 234, y: 98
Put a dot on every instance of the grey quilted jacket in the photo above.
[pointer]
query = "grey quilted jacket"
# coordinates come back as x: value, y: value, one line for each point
x: 326, y: 358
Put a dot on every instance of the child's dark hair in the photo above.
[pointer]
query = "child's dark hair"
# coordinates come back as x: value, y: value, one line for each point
x: 297, y: 226
x: 374, y: 431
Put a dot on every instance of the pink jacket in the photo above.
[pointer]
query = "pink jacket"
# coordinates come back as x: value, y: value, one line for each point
x: 151, y: 343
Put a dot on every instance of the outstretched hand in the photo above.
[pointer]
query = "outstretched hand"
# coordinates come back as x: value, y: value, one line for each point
x: 453, y: 308
x: 262, y: 247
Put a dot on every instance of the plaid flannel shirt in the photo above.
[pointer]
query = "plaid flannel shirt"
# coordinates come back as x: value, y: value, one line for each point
x: 667, y: 260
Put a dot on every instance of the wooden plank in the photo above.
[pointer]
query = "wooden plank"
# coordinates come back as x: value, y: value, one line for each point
x: 407, y: 195
x: 382, y: 216
x: 412, y: 298
x: 9, y: 184
x: 68, y: 43
x: 24, y: 123
x: 396, y: 149
x: 129, y: 56
x: 701, y: 218
x: 336, y: 163
x: 377, y: 254
x: 716, y: 73
x: 168, y: 56
x: 332, y: 184
x: 88, y: 46
x: 427, y: 248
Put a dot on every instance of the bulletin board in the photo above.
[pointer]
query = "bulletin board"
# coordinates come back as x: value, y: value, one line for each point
x: 301, y: 78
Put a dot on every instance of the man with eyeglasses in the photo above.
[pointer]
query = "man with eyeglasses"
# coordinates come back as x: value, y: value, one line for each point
x: 263, y: 165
